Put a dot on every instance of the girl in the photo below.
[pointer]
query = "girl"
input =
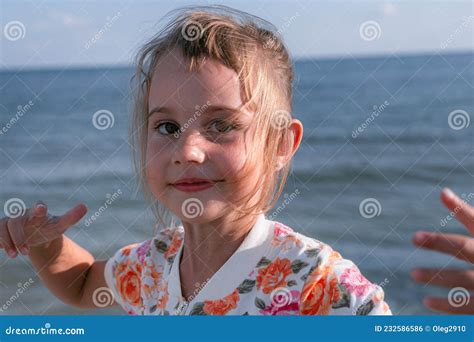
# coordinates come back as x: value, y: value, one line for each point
x: 214, y: 139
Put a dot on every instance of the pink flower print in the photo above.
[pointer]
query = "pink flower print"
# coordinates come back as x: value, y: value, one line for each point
x: 285, y: 303
x: 143, y: 250
x: 355, y: 282
x: 282, y: 230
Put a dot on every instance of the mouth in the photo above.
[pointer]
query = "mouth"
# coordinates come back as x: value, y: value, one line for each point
x: 194, y: 181
x: 192, y: 185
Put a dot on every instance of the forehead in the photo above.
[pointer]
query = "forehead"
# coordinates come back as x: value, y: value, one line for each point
x: 174, y: 86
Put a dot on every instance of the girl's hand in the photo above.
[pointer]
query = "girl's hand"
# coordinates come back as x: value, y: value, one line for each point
x: 460, y: 246
x: 36, y: 228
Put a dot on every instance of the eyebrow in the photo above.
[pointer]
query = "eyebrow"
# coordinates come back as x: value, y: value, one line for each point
x: 208, y: 110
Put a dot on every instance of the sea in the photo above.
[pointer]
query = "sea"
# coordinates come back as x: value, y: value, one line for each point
x: 382, y: 136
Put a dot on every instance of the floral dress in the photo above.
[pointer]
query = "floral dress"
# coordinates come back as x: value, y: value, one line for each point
x: 275, y: 271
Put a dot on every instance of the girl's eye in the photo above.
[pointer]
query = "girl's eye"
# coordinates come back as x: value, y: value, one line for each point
x: 223, y: 126
x: 167, y: 128
x: 220, y: 126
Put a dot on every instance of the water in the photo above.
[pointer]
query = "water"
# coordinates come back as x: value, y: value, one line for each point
x: 402, y: 158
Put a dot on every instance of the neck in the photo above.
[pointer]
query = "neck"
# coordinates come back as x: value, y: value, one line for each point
x: 208, y: 246
x: 211, y: 241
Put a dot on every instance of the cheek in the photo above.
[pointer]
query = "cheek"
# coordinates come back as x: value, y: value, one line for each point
x: 154, y: 164
x: 232, y: 163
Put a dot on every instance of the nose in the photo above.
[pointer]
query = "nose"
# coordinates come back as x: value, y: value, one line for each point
x: 189, y: 148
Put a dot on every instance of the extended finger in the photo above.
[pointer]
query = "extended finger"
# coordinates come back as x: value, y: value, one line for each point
x: 72, y: 216
x: 40, y: 209
x: 445, y: 277
x: 460, y: 306
x: 460, y: 208
x: 17, y: 234
x: 5, y: 239
x: 460, y: 246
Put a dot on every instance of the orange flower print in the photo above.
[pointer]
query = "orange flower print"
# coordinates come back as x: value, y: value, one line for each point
x: 174, y: 246
x: 126, y: 250
x: 274, y: 275
x: 154, y: 275
x: 319, y: 292
x: 128, y: 282
x: 163, y: 300
x: 222, y: 306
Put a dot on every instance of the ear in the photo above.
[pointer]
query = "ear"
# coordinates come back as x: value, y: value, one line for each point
x: 285, y: 153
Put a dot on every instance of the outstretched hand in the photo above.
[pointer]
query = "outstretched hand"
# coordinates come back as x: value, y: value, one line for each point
x: 36, y: 227
x: 460, y: 281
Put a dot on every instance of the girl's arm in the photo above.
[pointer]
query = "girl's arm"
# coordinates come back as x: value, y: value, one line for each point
x: 69, y: 271
x: 66, y: 268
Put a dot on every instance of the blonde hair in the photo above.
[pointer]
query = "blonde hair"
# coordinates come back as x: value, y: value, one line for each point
x: 250, y: 46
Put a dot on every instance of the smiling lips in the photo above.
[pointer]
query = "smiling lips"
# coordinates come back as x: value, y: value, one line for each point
x: 193, y: 184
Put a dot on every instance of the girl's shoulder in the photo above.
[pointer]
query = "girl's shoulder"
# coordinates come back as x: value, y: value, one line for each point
x: 328, y: 282
x: 286, y: 242
x: 166, y: 242
x: 135, y: 263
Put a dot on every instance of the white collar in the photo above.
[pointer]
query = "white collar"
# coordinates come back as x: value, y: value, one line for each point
x: 233, y: 272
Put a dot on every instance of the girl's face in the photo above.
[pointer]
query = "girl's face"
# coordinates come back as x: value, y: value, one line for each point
x: 207, y: 147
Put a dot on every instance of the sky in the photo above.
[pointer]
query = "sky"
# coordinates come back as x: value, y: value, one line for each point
x: 38, y: 34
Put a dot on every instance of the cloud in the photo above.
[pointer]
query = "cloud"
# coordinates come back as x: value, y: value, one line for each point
x: 389, y: 9
x: 68, y: 19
